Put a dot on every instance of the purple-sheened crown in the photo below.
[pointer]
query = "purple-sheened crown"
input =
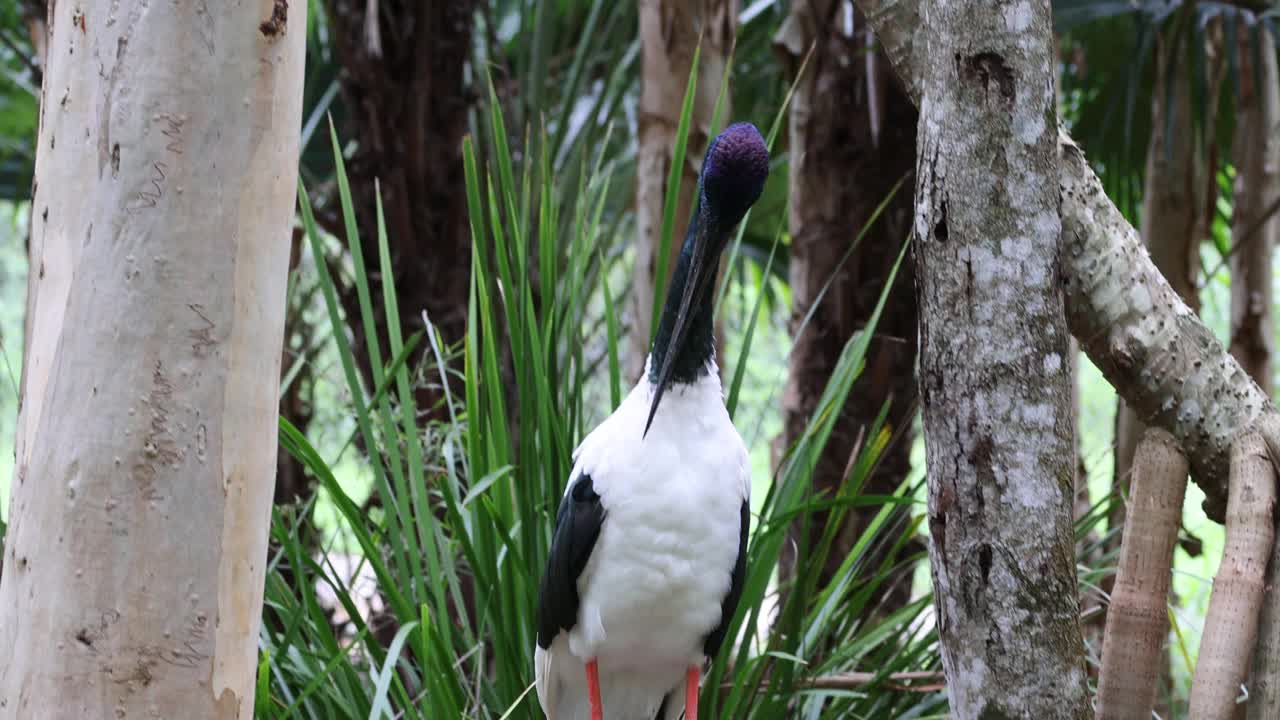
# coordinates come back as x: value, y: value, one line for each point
x: 735, y: 169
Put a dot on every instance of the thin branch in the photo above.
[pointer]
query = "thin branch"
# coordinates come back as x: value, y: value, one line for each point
x: 934, y: 680
x: 1249, y: 235
x: 853, y: 680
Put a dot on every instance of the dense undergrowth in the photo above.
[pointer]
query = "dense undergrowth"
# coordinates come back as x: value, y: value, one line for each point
x: 461, y: 525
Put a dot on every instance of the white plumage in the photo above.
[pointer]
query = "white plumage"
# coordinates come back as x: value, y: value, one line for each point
x: 661, y: 568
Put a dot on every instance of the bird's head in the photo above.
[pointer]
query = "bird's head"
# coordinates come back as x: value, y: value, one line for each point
x: 733, y: 175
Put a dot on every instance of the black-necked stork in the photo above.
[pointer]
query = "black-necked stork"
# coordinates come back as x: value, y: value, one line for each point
x: 649, y: 551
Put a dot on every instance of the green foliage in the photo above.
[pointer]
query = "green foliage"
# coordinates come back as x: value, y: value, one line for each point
x: 19, y: 89
x: 1108, y: 82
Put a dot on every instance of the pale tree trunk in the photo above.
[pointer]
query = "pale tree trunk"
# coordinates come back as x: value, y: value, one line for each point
x: 1230, y: 625
x: 1138, y: 620
x: 1170, y: 221
x: 995, y: 378
x: 1151, y: 347
x: 669, y: 34
x: 852, y: 139
x: 1256, y: 155
x: 146, y: 449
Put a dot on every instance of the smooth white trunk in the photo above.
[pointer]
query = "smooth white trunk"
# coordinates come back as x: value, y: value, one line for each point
x: 146, y: 446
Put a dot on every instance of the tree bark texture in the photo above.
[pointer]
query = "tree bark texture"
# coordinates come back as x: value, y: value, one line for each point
x: 1151, y: 347
x: 1264, y: 680
x: 852, y: 138
x: 1256, y: 155
x: 1170, y: 225
x: 995, y: 378
x: 1264, y: 675
x: 146, y: 449
x: 669, y: 34
x: 1257, y: 160
x: 404, y: 92
x: 1230, y: 626
x: 1138, y: 619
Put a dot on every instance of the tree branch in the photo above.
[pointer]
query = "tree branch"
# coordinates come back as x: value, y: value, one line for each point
x: 932, y: 680
x: 1157, y: 354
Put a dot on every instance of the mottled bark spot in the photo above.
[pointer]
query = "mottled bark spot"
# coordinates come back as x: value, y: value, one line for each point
x: 980, y: 456
x: 985, y: 69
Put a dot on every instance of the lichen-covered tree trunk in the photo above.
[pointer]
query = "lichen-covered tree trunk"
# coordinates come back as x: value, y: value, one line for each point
x: 403, y: 88
x: 146, y: 448
x: 1256, y: 154
x: 669, y: 34
x: 995, y: 378
x: 1170, y: 221
x: 852, y: 139
x: 1151, y: 347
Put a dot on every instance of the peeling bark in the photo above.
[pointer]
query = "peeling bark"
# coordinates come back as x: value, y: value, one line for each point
x: 995, y: 378
x: 852, y: 138
x: 1130, y: 322
x: 1226, y: 644
x: 146, y: 444
x: 669, y: 34
x: 1138, y: 619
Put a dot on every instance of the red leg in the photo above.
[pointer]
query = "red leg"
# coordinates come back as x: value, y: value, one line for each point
x: 691, y: 694
x: 593, y: 690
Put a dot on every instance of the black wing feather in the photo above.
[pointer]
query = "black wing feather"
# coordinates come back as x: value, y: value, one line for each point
x: 578, y: 524
x: 730, y: 604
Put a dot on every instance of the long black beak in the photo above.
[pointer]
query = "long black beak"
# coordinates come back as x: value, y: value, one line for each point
x: 701, y: 271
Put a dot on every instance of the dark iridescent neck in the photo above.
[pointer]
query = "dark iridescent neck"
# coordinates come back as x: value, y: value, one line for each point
x: 699, y: 346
